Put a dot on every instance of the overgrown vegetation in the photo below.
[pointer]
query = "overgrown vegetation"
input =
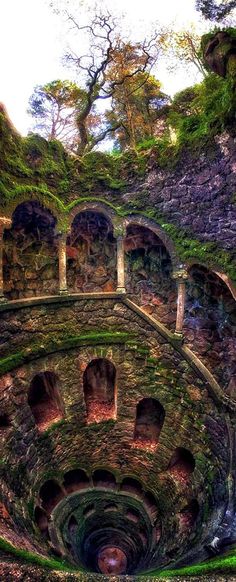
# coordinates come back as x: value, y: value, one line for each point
x: 224, y: 565
x: 32, y: 558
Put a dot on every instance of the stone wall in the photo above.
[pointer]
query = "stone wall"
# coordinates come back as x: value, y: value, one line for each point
x: 146, y: 366
x: 197, y: 194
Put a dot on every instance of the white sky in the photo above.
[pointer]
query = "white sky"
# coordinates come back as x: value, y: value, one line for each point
x: 32, y: 39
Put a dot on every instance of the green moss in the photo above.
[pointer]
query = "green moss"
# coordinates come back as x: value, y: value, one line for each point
x: 60, y: 424
x: 221, y: 565
x: 58, y: 343
x: 208, y: 253
x: 32, y: 558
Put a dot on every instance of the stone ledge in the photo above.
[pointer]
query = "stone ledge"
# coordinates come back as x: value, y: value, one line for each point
x: 49, y: 299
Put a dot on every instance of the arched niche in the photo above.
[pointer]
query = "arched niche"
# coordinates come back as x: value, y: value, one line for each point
x: 44, y: 399
x: 209, y: 325
x: 99, y: 383
x: 89, y: 510
x: 132, y: 515
x: 188, y: 515
x: 30, y: 253
x: 104, y: 478
x: 91, y: 254
x: 51, y: 494
x: 182, y: 464
x: 72, y: 524
x: 149, y: 274
x: 150, y: 416
x: 110, y: 507
x: 151, y: 505
x: 75, y: 480
x: 41, y: 519
x: 4, y: 423
x: 131, y: 485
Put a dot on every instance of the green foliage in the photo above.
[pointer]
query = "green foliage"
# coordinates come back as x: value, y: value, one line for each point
x: 226, y: 564
x: 27, y: 556
x: 101, y: 169
x: 209, y: 254
x: 199, y: 113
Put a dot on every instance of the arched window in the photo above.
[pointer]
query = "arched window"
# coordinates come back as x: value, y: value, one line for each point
x: 103, y: 478
x: 181, y: 464
x: 50, y: 493
x: 44, y: 399
x: 149, y: 421
x: 99, y: 390
x: 75, y: 480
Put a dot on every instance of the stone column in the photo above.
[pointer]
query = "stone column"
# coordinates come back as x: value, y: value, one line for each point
x: 120, y: 264
x: 4, y: 223
x: 180, y: 276
x: 62, y: 264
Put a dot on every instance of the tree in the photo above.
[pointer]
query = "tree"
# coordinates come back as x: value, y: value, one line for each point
x: 100, y: 70
x: 211, y: 10
x: 53, y: 108
x: 136, y: 106
x: 183, y: 47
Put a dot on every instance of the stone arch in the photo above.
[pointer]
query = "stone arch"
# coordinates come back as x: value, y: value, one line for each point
x: 94, y: 206
x: 30, y: 252
x: 132, y: 485
x: 91, y: 253
x: 151, y: 504
x: 41, y: 520
x: 159, y: 232
x: 149, y: 271
x: 150, y: 416
x: 104, y: 478
x: 44, y: 399
x: 210, y: 316
x: 188, y: 515
x: 75, y: 480
x: 51, y: 494
x: 182, y: 463
x: 99, y: 383
x: 72, y: 525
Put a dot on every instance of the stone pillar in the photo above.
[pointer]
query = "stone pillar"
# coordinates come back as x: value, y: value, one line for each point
x: 120, y: 264
x: 180, y: 276
x: 62, y: 264
x: 4, y: 223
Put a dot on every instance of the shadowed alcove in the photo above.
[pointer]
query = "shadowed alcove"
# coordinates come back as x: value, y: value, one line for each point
x: 44, y: 399
x: 210, y: 317
x: 50, y: 493
x: 150, y: 418
x: 75, y: 480
x: 181, y: 464
x: 149, y: 274
x: 30, y: 259
x: 91, y: 253
x: 99, y: 390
